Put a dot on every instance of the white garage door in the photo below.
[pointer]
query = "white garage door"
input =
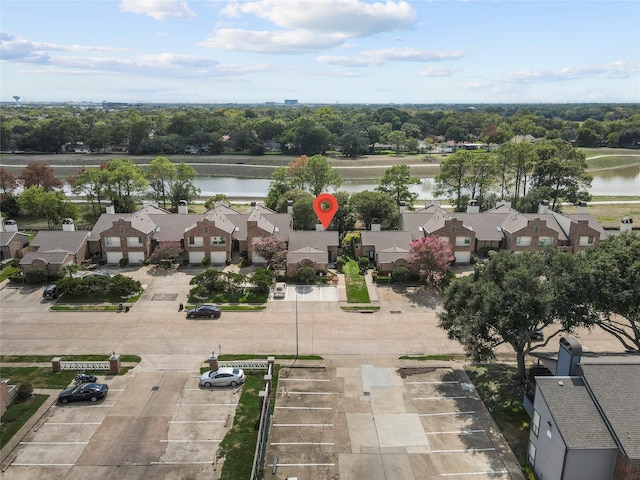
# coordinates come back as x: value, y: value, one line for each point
x: 462, y: 257
x: 114, y: 257
x: 196, y: 257
x: 136, y: 258
x: 218, y: 258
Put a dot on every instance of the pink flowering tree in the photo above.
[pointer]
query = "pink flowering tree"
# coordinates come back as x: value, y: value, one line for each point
x: 274, y: 252
x: 433, y: 256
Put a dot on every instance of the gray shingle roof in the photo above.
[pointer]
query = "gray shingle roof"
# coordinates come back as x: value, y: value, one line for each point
x: 574, y: 413
x: 616, y: 388
x: 50, y: 240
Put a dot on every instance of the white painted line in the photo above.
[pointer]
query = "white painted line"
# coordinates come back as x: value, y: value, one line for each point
x: 303, y: 424
x: 306, y: 408
x: 116, y: 390
x: 301, y: 443
x: 303, y: 380
x: 305, y: 465
x: 436, y: 398
x: 209, y: 462
x: 190, y: 441
x: 488, y: 472
x: 310, y: 393
x: 42, y: 464
x: 456, y: 432
x: 198, y: 421
x: 54, y: 443
x: 72, y: 423
x: 432, y: 383
x: 208, y: 404
x: 465, y: 450
x: 448, y: 413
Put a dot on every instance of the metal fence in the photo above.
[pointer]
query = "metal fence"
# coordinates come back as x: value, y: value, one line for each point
x: 263, y: 431
x: 13, y: 391
x: 85, y: 366
x: 246, y: 365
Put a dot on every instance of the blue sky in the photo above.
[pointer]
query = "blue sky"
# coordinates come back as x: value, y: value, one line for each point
x: 320, y: 51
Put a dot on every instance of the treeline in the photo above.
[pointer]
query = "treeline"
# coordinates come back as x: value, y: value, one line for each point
x: 350, y: 130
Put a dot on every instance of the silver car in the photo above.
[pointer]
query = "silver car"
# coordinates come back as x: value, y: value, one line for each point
x: 222, y: 377
x: 280, y: 290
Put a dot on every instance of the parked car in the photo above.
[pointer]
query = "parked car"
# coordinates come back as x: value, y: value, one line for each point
x: 280, y: 290
x: 537, y: 335
x: 207, y: 311
x: 84, y: 391
x: 50, y: 292
x: 222, y: 377
x: 99, y: 273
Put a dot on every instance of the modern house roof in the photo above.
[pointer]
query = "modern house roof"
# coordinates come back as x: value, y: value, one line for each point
x: 574, y: 413
x: 616, y: 388
x: 58, y: 240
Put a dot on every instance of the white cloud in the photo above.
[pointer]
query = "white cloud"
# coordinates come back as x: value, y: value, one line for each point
x: 296, y: 41
x: 158, y: 9
x: 618, y: 69
x: 372, y: 58
x: 351, y: 17
x: 438, y: 71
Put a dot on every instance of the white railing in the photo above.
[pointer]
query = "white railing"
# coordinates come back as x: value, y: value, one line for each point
x: 85, y: 366
x: 13, y: 391
x: 246, y: 364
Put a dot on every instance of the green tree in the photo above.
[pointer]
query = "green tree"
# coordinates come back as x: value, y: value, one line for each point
x: 91, y: 183
x: 397, y: 138
x: 53, y: 206
x: 182, y: 187
x: 451, y: 179
x: 262, y: 279
x: 483, y: 173
x: 374, y: 205
x: 317, y: 173
x: 280, y: 185
x: 562, y: 169
x: 614, y: 271
x: 510, y: 297
x: 306, y: 275
x: 304, y: 216
x: 396, y: 181
x: 124, y: 181
x: 161, y: 173
x: 515, y: 161
x: 306, y: 136
x: 217, y: 199
x: 345, y: 218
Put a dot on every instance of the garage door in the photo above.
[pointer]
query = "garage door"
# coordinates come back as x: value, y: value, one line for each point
x: 114, y: 257
x: 196, y: 257
x: 462, y: 257
x: 136, y: 258
x: 218, y: 258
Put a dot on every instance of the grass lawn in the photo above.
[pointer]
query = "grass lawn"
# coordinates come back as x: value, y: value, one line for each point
x: 7, y: 271
x: 355, y: 283
x: 17, y: 414
x: 496, y: 380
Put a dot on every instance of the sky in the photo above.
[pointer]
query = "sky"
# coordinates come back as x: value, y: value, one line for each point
x: 320, y: 51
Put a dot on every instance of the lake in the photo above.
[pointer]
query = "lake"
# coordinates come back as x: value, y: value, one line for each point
x: 618, y: 182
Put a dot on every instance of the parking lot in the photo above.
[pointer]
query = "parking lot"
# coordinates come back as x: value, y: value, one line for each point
x: 375, y: 423
x: 150, y: 425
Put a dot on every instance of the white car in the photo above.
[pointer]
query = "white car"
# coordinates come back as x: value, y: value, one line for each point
x: 222, y: 377
x: 280, y: 290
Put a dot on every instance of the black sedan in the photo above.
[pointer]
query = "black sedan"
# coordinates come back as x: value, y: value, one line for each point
x: 84, y: 391
x: 206, y: 311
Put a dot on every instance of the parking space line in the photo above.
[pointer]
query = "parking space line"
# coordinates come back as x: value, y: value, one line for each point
x: 305, y: 465
x: 302, y: 443
x: 71, y: 423
x: 43, y: 464
x: 210, y: 404
x: 206, y: 462
x: 305, y: 408
x: 448, y: 413
x: 303, y: 380
x: 488, y: 472
x: 190, y: 441
x: 437, y: 398
x: 198, y: 421
x: 303, y: 424
x: 309, y: 393
x: 456, y: 432
x: 465, y: 450
x: 432, y: 383
x: 54, y: 443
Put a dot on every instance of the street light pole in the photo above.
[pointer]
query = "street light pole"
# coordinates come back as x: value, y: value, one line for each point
x: 296, y: 322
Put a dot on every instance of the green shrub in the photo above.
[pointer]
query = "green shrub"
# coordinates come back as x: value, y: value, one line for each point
x: 363, y: 263
x: 306, y: 275
x: 124, y: 261
x: 35, y: 276
x: 400, y: 274
x: 206, y: 262
x: 340, y: 261
x: 25, y: 390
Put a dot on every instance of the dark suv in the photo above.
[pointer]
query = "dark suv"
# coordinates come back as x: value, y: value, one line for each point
x: 50, y: 292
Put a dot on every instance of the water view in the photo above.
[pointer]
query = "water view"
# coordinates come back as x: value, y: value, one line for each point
x: 619, y: 182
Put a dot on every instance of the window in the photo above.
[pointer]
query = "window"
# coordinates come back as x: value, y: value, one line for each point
x: 196, y: 241
x: 453, y: 229
x: 206, y: 229
x: 545, y: 241
x: 587, y: 241
x: 121, y: 229
x: 134, y: 241
x: 536, y: 229
x: 523, y: 241
x: 112, y: 241
x: 192, y: 241
x: 531, y: 456
x: 218, y: 241
x: 535, y: 425
x: 462, y: 241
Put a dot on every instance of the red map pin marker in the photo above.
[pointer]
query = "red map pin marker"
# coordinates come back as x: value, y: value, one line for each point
x: 325, y: 215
